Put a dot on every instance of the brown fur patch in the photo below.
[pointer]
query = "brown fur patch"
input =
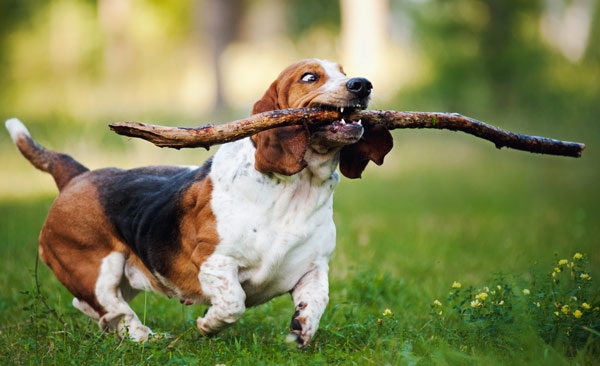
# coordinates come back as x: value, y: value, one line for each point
x: 135, y: 261
x: 281, y: 150
x: 62, y: 167
x: 75, y: 238
x: 199, y: 238
x: 373, y: 146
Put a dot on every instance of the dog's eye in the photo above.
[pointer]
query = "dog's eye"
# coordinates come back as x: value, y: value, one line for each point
x: 309, y: 77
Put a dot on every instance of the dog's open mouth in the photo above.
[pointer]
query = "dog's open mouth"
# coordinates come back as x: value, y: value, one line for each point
x: 344, y: 131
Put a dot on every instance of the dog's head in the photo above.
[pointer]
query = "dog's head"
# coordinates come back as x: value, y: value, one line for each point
x: 319, y: 83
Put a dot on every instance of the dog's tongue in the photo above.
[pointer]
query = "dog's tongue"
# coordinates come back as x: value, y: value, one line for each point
x: 337, y: 125
x: 186, y: 302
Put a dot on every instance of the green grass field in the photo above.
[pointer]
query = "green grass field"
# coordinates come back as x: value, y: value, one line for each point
x: 443, y: 208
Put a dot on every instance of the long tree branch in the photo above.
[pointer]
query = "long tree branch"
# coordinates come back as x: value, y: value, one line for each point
x: 206, y: 136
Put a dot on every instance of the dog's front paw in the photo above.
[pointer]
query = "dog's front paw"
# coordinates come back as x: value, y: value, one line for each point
x: 299, y: 329
x: 204, y: 328
x: 296, y: 337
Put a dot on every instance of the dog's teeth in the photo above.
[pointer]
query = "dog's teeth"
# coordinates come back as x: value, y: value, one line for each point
x: 342, y: 122
x: 341, y: 109
x: 359, y: 122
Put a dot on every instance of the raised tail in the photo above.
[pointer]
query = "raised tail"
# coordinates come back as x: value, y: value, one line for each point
x: 62, y: 167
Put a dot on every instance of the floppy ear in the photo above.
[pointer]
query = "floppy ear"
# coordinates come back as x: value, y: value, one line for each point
x: 279, y: 150
x: 375, y: 143
x: 268, y: 102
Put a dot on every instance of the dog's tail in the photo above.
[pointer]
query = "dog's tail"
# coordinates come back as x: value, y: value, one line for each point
x: 62, y: 167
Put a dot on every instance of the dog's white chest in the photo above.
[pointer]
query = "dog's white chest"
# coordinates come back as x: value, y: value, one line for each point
x: 276, y: 230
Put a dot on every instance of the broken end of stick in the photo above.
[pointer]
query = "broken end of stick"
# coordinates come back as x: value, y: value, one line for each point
x: 126, y: 128
x: 539, y: 145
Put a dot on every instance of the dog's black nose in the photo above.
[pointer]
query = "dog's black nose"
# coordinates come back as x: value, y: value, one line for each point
x: 359, y: 86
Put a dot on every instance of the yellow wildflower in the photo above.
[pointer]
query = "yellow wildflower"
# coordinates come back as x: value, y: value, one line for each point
x: 475, y: 304
x: 486, y: 289
x: 557, y: 270
x: 437, y: 302
x: 565, y: 309
x: 482, y: 296
x: 585, y: 276
x: 562, y: 262
x: 586, y: 306
x: 556, y: 313
x: 440, y: 313
x: 501, y: 302
x: 553, y: 274
x: 596, y: 309
x: 387, y: 312
x: 526, y: 291
x: 577, y: 314
x: 499, y: 287
x: 577, y: 256
x: 456, y: 284
x: 537, y: 304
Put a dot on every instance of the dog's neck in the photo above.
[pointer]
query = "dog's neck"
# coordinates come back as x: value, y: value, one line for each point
x: 233, y: 170
x: 321, y: 166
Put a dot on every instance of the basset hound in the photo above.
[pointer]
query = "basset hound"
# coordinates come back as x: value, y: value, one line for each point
x: 252, y: 223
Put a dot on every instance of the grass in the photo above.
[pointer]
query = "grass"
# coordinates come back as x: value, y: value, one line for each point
x: 442, y: 209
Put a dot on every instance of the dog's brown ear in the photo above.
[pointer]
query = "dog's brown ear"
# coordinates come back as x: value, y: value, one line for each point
x: 279, y: 150
x: 268, y: 102
x: 375, y: 143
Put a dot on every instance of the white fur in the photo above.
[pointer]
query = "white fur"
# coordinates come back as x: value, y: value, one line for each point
x: 85, y: 308
x: 275, y: 228
x: 119, y: 316
x: 310, y: 297
x: 335, y: 78
x: 189, y: 167
x: 277, y: 235
x: 219, y: 279
x: 16, y: 128
x: 137, y: 278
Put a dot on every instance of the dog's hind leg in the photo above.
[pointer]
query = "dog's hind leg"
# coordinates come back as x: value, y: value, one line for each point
x: 85, y: 308
x: 110, y: 295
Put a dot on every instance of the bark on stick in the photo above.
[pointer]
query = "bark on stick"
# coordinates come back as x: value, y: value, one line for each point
x: 206, y: 136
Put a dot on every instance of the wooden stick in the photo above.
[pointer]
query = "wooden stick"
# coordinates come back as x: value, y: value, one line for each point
x: 206, y: 136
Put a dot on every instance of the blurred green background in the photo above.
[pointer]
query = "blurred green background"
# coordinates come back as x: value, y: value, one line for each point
x: 69, y: 67
x: 445, y: 206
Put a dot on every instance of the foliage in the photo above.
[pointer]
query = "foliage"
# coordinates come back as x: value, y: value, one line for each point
x: 357, y: 328
x: 441, y: 208
x: 565, y: 306
x: 383, y: 278
x: 488, y: 59
x: 305, y: 14
x: 561, y: 306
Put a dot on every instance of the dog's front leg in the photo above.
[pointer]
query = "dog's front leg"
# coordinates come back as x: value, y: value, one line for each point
x: 219, y: 280
x: 310, y: 296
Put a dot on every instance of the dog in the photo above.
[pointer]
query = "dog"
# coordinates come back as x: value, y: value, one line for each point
x: 255, y: 221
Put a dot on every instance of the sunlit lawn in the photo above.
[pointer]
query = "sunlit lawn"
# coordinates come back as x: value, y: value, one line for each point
x: 445, y: 207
